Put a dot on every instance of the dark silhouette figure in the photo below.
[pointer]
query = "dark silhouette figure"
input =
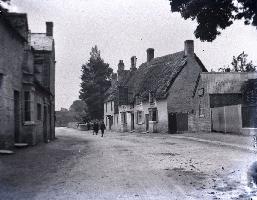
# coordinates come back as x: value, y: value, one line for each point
x: 95, y: 128
x: 102, y: 127
x: 252, y: 175
x: 88, y: 126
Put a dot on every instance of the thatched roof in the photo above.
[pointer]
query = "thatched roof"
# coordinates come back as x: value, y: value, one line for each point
x: 155, y: 76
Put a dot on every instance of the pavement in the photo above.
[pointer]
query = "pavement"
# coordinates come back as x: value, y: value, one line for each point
x: 234, y: 141
x: 79, y: 165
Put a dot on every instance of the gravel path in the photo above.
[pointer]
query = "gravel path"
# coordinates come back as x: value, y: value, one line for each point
x: 79, y: 165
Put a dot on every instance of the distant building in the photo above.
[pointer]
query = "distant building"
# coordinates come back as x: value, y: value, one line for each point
x: 156, y: 97
x: 27, y: 79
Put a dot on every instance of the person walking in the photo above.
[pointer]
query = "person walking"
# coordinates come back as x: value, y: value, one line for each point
x: 96, y: 127
x: 88, y: 126
x: 102, y: 127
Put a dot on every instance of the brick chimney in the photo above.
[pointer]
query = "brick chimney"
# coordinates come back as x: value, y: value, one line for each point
x: 120, y: 71
x: 49, y: 28
x: 121, y: 66
x: 150, y: 54
x: 133, y: 63
x: 189, y: 48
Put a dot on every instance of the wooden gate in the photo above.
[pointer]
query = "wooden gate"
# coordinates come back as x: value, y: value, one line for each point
x: 178, y: 122
x: 182, y: 122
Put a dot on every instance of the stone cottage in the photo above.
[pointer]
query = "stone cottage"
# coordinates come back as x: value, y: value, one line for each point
x: 155, y: 97
x: 221, y: 104
x: 27, y: 96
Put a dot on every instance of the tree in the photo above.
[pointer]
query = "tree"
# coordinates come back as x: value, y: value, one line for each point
x: 79, y: 111
x: 214, y: 15
x: 240, y: 64
x: 3, y: 6
x: 95, y: 78
x: 78, y: 106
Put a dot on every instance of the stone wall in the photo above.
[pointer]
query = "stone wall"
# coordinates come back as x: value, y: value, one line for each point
x: 180, y: 97
x: 11, y: 59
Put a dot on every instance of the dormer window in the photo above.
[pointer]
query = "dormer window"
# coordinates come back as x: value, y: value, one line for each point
x: 138, y: 100
x: 151, y: 98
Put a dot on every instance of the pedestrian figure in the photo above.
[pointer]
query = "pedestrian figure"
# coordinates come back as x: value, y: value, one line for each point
x: 88, y: 126
x: 96, y: 128
x: 102, y: 127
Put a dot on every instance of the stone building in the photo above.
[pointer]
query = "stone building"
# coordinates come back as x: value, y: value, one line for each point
x: 27, y: 70
x: 156, y: 97
x: 221, y: 105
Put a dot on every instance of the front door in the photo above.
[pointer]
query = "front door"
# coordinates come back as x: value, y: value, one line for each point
x: 110, y: 122
x: 147, y: 122
x: 172, y: 123
x: 45, y: 124
x: 17, y: 116
x: 132, y: 121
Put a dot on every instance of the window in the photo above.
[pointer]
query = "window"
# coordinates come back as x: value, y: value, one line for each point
x: 123, y: 117
x: 39, y: 111
x: 117, y: 119
x: 111, y: 105
x: 138, y: 100
x: 153, y: 114
x: 139, y: 117
x: 27, y: 106
x: 201, y: 92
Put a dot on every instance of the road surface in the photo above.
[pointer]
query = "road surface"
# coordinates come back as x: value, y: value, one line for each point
x: 79, y: 165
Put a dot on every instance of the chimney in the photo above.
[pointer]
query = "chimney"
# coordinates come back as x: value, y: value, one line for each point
x: 49, y: 28
x: 120, y: 71
x: 150, y: 54
x: 133, y: 63
x: 121, y: 66
x: 189, y: 48
x: 114, y: 79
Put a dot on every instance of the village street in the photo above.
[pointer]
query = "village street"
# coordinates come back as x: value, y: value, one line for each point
x: 79, y: 165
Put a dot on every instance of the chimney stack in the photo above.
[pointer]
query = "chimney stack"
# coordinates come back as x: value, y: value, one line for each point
x: 121, y: 66
x: 133, y: 63
x: 49, y: 28
x: 120, y: 71
x: 189, y: 48
x: 150, y: 54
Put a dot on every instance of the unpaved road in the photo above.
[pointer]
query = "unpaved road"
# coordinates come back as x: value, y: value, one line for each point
x: 79, y: 165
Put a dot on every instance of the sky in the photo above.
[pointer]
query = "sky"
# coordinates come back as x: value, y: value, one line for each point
x: 122, y: 29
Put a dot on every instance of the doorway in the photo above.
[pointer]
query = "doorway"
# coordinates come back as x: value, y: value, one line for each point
x: 45, y: 125
x: 132, y: 122
x: 178, y: 122
x: 110, y: 122
x: 16, y: 116
x: 147, y: 122
x: 172, y: 123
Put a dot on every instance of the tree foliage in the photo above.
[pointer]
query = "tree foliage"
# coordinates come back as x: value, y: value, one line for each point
x: 78, y: 106
x: 3, y: 5
x: 79, y: 110
x: 214, y: 15
x: 95, y: 78
x: 240, y: 64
